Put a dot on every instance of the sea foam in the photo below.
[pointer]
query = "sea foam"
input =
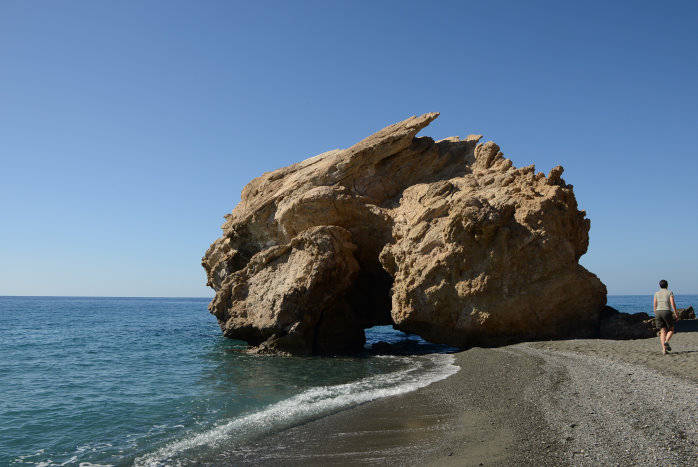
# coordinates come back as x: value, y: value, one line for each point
x: 310, y: 404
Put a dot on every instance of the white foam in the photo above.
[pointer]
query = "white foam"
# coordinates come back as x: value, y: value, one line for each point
x: 72, y: 461
x: 311, y: 404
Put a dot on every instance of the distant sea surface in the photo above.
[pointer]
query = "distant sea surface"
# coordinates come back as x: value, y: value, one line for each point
x: 151, y: 381
x: 643, y: 303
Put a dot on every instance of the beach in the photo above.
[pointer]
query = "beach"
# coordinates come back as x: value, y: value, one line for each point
x: 101, y: 381
x: 571, y: 402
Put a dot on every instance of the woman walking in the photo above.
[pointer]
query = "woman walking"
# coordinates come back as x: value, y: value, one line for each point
x: 663, y: 306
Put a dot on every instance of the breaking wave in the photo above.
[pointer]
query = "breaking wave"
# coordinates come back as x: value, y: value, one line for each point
x: 310, y: 404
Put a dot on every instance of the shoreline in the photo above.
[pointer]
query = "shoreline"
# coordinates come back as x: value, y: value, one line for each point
x: 572, y: 402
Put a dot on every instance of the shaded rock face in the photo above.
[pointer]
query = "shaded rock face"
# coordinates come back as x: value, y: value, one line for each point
x: 443, y: 239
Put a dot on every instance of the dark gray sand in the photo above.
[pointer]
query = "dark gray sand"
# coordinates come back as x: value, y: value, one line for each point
x: 578, y: 402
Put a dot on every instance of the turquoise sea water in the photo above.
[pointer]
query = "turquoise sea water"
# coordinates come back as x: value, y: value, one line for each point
x: 143, y: 381
x: 151, y: 381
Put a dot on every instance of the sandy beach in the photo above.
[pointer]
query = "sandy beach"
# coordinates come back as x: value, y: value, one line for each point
x: 575, y: 402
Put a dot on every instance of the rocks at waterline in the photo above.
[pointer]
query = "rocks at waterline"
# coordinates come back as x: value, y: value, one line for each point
x: 445, y: 239
x: 616, y: 325
x: 686, y: 313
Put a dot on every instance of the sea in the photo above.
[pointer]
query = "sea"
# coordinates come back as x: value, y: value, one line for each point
x: 91, y: 381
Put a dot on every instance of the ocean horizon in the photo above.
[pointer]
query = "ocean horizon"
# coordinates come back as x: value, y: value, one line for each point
x: 151, y: 380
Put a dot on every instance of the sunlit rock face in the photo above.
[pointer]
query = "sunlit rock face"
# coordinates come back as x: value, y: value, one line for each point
x: 444, y: 239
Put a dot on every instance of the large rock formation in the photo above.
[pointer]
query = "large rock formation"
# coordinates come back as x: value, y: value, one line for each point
x: 443, y: 239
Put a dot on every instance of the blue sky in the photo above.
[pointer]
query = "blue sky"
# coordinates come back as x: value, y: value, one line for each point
x: 129, y: 128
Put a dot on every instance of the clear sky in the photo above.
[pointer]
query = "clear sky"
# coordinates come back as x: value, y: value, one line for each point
x: 129, y: 128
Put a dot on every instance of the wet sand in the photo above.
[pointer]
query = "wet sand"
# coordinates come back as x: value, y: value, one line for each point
x: 575, y: 402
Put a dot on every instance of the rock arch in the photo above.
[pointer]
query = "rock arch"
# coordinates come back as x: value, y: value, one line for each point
x: 444, y: 239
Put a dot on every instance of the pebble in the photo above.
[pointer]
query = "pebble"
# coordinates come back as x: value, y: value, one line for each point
x: 615, y: 422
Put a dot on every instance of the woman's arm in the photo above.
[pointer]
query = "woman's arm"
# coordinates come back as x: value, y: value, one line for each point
x: 673, y: 305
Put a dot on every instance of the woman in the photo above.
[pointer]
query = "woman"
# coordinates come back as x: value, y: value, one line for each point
x: 663, y: 306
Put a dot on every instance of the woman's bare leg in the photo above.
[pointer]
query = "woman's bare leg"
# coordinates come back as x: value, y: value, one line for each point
x: 668, y: 335
x: 662, y: 337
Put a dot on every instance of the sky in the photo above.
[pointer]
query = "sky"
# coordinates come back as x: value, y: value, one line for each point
x: 129, y: 128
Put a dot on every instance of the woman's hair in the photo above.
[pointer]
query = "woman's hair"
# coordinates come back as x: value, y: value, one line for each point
x: 663, y: 284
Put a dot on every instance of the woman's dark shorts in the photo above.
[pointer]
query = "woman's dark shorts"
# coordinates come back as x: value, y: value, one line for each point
x: 663, y: 319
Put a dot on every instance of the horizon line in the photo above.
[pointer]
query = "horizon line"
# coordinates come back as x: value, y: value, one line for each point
x: 211, y: 297
x: 98, y: 296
